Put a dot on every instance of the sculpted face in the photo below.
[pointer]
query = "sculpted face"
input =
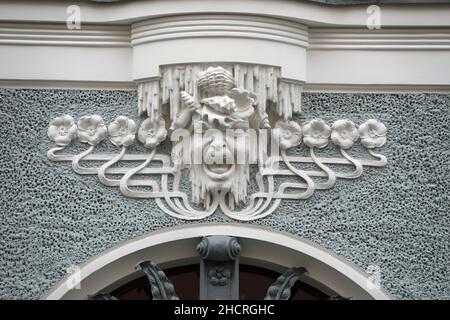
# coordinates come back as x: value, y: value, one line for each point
x: 219, y: 143
x: 223, y: 166
x: 218, y: 159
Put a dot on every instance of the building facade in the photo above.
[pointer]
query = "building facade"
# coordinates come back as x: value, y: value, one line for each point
x: 224, y: 142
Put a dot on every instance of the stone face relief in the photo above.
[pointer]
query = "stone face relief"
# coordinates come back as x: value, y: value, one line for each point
x: 219, y: 127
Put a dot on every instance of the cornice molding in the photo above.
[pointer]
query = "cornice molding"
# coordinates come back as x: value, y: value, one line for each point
x: 59, y: 35
x: 100, y: 54
x: 420, y: 15
x: 236, y: 38
x: 229, y: 26
x: 383, y: 39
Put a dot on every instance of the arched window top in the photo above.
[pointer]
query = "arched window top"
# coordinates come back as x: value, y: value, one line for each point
x: 261, y: 247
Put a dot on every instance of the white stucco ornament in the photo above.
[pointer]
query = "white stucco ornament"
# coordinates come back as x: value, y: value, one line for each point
x: 62, y: 130
x: 316, y: 133
x: 152, y: 133
x: 91, y: 129
x: 122, y: 131
x: 219, y: 129
x: 287, y: 133
x: 344, y: 133
x: 372, y: 133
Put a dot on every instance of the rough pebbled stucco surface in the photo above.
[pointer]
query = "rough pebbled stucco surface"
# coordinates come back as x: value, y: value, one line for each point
x: 395, y: 217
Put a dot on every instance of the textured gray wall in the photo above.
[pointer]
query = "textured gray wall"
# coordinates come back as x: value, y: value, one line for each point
x: 396, y: 217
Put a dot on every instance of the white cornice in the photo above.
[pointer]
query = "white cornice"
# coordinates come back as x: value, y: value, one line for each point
x: 229, y: 26
x: 140, y: 36
x: 236, y: 26
x: 313, y: 14
x: 193, y: 38
x: 60, y: 35
x: 384, y: 39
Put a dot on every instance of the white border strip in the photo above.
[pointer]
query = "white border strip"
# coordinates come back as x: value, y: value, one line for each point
x: 33, y: 34
x: 375, y: 88
x: 75, y: 85
x: 383, y: 39
x: 307, y: 87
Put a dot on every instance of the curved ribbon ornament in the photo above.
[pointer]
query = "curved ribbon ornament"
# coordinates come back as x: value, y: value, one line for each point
x: 101, y: 171
x: 76, y: 162
x: 358, y: 166
x: 331, y: 175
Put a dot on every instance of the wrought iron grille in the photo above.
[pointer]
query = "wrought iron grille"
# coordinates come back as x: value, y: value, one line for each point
x: 219, y: 275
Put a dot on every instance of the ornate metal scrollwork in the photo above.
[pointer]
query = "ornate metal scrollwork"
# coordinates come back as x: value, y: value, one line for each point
x: 161, y: 287
x: 219, y: 275
x: 281, y: 288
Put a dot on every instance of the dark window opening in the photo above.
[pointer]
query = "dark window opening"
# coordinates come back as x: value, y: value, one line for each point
x: 253, y: 285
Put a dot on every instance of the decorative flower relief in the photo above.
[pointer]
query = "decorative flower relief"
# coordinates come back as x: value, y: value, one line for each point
x: 219, y: 275
x: 151, y: 134
x: 62, y: 130
x: 316, y: 133
x: 122, y: 131
x: 344, y: 133
x: 372, y: 133
x: 91, y: 129
x: 287, y: 133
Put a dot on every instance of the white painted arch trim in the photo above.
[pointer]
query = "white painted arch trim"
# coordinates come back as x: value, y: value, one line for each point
x: 167, y: 246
